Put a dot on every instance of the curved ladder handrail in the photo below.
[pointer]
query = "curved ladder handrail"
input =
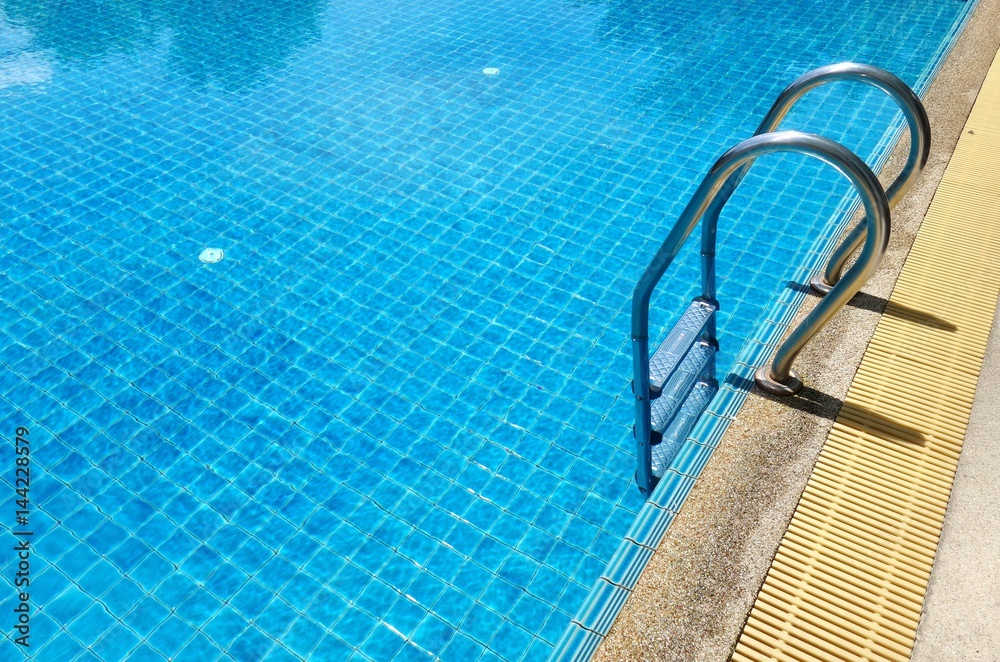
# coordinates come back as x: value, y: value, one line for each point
x: 920, y: 144
x: 701, y: 204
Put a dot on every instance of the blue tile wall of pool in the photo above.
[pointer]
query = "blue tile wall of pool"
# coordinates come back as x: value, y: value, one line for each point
x: 394, y: 421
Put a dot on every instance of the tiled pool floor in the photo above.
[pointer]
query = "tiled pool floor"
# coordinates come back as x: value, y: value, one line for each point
x: 394, y: 420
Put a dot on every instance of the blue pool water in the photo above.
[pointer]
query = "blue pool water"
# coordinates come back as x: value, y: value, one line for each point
x: 394, y: 420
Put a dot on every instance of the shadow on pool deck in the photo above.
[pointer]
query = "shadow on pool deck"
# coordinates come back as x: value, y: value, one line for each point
x: 823, y: 405
x: 880, y: 305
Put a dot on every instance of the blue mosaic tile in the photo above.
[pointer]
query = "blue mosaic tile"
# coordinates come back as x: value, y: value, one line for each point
x: 382, y: 643
x: 462, y: 648
x: 117, y: 643
x: 394, y: 412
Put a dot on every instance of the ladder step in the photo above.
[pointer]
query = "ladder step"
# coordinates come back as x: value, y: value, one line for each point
x: 676, y: 390
x: 681, y: 426
x: 677, y: 343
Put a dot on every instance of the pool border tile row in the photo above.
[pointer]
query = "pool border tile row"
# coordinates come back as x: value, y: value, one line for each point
x: 593, y: 620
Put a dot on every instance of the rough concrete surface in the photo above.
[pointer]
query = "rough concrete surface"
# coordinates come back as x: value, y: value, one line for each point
x: 695, y: 595
x: 961, y: 617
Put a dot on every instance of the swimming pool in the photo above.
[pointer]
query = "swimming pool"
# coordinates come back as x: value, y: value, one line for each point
x: 394, y: 419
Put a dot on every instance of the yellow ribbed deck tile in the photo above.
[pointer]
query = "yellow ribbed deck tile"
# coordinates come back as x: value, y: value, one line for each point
x: 903, y: 500
x: 846, y: 597
x: 848, y: 580
x: 874, y: 542
x: 862, y: 499
x: 795, y: 571
x: 818, y: 607
x: 905, y: 364
x: 821, y: 637
x: 906, y: 409
x: 899, y: 465
x: 848, y: 464
x: 874, y: 529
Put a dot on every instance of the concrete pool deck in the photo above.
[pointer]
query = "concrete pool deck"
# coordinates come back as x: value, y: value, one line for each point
x: 694, y: 597
x: 962, y: 605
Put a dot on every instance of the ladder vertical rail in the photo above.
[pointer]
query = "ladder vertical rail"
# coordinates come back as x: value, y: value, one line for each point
x: 640, y: 335
x: 709, y: 241
x: 733, y: 164
x: 709, y: 237
x: 643, y: 414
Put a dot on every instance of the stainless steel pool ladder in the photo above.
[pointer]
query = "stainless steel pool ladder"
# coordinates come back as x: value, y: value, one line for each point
x: 674, y: 387
x: 684, y: 363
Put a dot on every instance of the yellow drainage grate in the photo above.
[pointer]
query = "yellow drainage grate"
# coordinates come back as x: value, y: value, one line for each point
x: 849, y: 578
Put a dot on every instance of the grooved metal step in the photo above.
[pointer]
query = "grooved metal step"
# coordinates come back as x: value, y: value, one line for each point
x: 673, y: 349
x: 664, y: 409
x: 680, y: 427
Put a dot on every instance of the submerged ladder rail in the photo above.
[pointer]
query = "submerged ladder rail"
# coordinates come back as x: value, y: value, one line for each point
x: 920, y: 144
x: 700, y: 316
